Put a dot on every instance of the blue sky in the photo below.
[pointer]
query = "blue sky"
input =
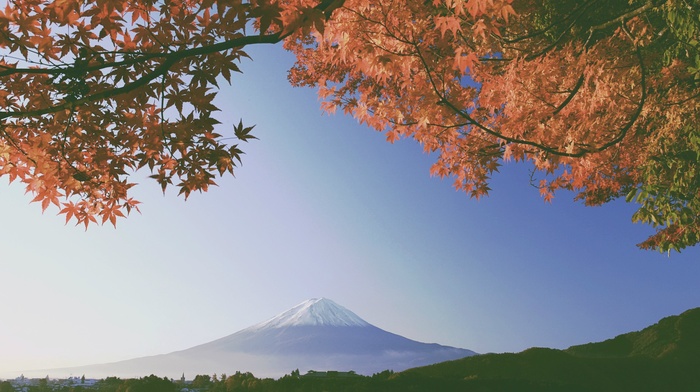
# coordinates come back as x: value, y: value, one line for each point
x: 324, y: 207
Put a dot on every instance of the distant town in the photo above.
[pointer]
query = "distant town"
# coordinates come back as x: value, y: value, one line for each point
x: 311, y: 380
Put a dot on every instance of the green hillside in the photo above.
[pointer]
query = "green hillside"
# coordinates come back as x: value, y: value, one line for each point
x: 662, y: 357
x: 672, y: 337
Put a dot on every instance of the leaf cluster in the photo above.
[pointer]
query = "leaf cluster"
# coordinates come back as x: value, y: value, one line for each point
x: 91, y: 92
x: 592, y: 94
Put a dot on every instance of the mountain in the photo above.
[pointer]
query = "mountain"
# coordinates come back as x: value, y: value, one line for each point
x: 661, y: 357
x: 317, y: 334
x: 672, y: 337
x: 320, y: 327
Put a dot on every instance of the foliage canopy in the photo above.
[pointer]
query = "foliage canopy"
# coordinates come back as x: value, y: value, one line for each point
x: 601, y: 97
x: 92, y: 90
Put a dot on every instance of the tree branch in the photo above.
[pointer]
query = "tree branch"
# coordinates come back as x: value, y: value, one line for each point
x: 649, y: 4
x: 548, y: 149
x: 568, y: 99
x: 169, y: 59
x: 326, y: 6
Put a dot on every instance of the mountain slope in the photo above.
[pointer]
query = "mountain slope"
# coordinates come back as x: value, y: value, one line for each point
x: 662, y: 357
x: 319, y: 334
x: 318, y: 327
x: 315, y: 335
x: 671, y: 337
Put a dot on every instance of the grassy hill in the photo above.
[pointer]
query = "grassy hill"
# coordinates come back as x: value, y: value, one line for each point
x: 672, y: 337
x: 662, y: 357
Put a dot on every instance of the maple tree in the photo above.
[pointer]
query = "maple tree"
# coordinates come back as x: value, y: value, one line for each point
x: 601, y: 97
x: 91, y: 91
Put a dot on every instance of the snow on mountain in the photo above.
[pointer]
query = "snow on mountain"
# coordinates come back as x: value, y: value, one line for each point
x: 316, y: 311
x: 317, y: 334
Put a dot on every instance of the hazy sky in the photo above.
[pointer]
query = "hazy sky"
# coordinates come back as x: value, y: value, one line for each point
x: 324, y: 207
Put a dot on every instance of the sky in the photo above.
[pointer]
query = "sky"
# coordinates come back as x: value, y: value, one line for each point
x: 325, y: 207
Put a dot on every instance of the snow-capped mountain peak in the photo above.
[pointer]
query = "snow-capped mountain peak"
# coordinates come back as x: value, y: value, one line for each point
x: 317, y: 312
x: 317, y: 334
